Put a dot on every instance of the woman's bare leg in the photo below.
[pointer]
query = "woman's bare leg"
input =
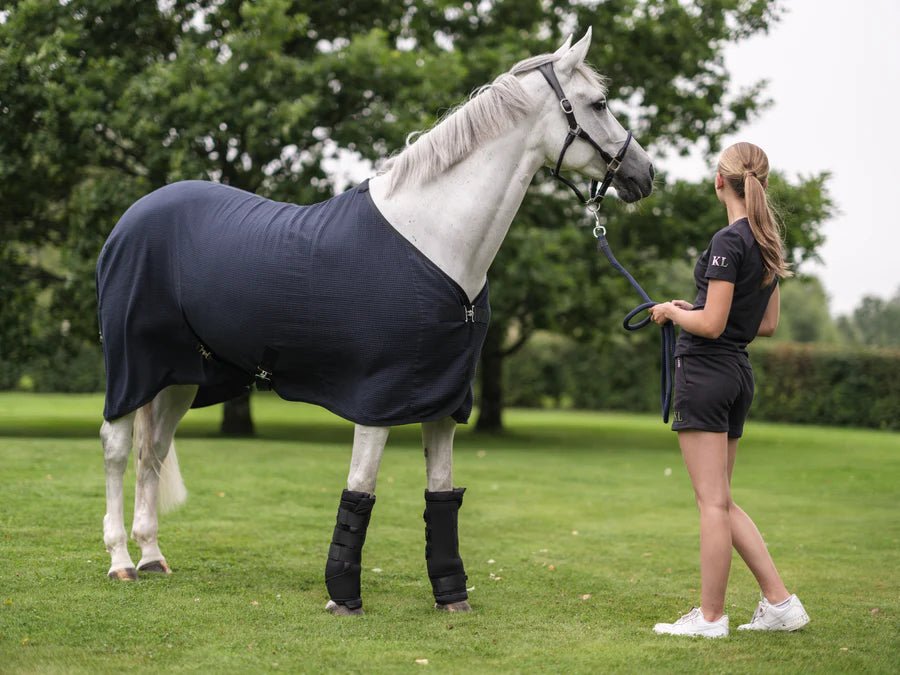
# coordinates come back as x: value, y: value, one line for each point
x: 706, y: 457
x: 750, y: 545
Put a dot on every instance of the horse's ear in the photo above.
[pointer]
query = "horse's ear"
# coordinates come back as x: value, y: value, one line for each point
x: 574, y: 57
x: 564, y: 48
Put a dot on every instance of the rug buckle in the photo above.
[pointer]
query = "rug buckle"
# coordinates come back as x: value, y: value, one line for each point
x: 263, y: 375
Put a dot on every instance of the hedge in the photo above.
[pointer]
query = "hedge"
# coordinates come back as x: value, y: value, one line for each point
x: 797, y: 383
x: 75, y: 370
x: 817, y: 384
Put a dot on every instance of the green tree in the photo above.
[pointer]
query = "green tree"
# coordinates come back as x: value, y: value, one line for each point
x: 804, y: 312
x: 102, y: 101
x: 875, y: 322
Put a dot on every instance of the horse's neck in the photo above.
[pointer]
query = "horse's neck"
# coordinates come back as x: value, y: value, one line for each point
x: 460, y: 218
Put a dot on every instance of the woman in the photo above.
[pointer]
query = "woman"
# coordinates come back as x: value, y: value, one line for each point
x: 737, y: 299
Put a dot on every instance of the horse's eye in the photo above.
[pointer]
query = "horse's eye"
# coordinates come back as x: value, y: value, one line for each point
x: 600, y: 105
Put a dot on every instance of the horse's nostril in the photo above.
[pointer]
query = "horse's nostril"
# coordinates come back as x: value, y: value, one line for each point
x: 652, y: 172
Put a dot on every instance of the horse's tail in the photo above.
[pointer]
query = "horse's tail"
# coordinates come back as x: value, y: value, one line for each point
x: 172, y: 492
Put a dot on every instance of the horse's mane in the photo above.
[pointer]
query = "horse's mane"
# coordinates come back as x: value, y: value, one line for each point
x: 490, y: 110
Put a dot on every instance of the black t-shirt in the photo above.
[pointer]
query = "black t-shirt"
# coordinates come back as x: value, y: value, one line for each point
x: 732, y: 255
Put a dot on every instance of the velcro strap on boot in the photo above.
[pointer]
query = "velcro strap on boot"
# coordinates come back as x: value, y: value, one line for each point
x: 345, y: 553
x: 345, y: 538
x: 449, y: 585
x: 353, y: 521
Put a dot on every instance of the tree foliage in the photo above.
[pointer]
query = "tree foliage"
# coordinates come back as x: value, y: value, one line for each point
x: 875, y: 322
x: 102, y: 101
x: 804, y: 313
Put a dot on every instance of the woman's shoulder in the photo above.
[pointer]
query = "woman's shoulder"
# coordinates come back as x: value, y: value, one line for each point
x: 738, y: 232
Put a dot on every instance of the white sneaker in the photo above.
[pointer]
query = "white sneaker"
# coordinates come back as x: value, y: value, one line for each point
x: 770, y: 617
x: 694, y: 624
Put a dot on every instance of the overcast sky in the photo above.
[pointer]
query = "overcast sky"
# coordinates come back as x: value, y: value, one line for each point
x: 834, y: 75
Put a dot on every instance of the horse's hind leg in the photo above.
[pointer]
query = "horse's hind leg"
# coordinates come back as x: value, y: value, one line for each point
x: 116, y: 437
x: 442, y: 504
x: 157, y: 470
x: 344, y: 566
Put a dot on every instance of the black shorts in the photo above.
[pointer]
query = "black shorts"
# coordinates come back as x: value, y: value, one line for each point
x: 713, y: 392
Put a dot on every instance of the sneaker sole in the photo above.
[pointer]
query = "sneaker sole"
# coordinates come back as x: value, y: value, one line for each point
x: 785, y: 627
x: 693, y: 635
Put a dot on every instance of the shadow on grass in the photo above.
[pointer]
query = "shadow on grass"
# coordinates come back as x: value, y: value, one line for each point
x: 543, y: 438
x: 80, y: 428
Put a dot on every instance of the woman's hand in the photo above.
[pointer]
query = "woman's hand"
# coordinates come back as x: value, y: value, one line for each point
x: 662, y: 312
x: 665, y: 311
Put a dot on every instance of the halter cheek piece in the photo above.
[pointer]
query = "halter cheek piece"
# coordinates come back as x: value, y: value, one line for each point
x: 596, y: 192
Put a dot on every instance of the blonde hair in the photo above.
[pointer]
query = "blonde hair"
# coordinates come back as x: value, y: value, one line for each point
x: 746, y: 168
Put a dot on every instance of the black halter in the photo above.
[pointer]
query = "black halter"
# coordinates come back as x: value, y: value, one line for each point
x: 596, y: 192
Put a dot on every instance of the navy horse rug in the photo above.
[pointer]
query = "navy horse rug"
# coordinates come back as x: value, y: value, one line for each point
x: 201, y: 283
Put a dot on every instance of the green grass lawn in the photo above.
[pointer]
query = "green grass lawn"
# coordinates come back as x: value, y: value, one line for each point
x: 576, y: 535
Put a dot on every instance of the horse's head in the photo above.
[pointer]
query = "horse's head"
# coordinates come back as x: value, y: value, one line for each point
x: 586, y: 94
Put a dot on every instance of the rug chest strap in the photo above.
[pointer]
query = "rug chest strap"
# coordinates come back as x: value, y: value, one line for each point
x: 465, y: 314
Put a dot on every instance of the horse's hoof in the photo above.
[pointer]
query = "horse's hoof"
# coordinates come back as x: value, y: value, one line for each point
x: 343, y: 610
x: 157, y: 566
x: 461, y: 606
x: 125, y: 574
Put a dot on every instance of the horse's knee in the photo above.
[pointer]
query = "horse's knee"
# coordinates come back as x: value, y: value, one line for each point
x: 116, y: 438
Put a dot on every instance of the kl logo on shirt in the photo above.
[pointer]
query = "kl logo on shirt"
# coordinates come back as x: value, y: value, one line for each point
x: 719, y: 261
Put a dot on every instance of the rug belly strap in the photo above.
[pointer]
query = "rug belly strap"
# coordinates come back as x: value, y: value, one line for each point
x: 342, y: 570
x: 445, y: 567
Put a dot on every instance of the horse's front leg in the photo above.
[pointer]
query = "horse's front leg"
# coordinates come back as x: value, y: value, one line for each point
x: 344, y: 566
x: 442, y: 503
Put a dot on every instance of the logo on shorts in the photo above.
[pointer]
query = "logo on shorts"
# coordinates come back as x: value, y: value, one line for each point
x: 719, y: 261
x: 677, y: 416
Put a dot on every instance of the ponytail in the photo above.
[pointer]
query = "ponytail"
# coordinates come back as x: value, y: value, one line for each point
x: 746, y: 168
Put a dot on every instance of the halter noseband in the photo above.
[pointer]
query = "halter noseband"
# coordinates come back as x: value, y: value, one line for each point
x: 596, y: 192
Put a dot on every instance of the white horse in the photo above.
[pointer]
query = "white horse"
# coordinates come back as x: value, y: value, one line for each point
x: 452, y: 194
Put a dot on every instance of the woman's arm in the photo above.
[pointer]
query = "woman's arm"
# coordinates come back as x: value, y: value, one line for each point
x: 770, y: 319
x: 708, y: 322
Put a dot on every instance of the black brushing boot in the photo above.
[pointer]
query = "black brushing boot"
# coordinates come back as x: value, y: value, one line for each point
x: 445, y: 567
x: 342, y: 571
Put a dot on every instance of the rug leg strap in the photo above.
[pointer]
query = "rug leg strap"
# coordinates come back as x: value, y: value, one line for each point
x: 445, y: 567
x: 342, y: 571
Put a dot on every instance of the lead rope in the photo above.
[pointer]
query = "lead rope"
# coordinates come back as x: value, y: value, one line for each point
x: 666, y: 381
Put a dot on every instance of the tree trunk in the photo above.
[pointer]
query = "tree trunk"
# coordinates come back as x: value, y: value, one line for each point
x: 236, y: 420
x: 490, y: 416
